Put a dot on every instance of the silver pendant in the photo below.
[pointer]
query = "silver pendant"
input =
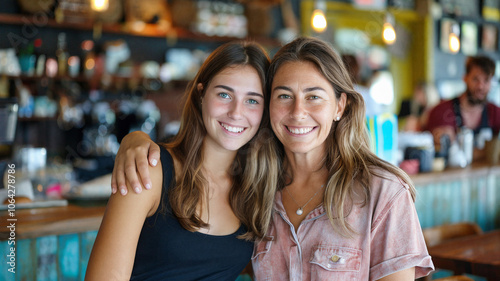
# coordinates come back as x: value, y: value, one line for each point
x: 299, y: 211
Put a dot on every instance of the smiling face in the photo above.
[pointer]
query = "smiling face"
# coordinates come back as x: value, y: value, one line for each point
x: 303, y: 107
x: 232, y: 107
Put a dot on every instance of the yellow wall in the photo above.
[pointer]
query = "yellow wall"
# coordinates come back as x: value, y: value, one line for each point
x: 407, y: 71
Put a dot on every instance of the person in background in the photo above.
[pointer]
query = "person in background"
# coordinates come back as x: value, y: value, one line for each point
x: 471, y: 109
x: 373, y: 108
x: 212, y: 191
x: 340, y: 212
x: 413, y: 111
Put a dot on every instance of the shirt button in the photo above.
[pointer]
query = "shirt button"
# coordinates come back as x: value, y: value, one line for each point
x: 335, y: 258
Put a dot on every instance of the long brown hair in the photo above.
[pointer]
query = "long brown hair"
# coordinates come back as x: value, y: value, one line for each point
x: 348, y: 157
x: 254, y: 167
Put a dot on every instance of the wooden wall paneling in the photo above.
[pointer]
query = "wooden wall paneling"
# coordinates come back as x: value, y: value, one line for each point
x: 473, y: 198
x: 447, y: 191
x: 491, y: 196
x: 26, y: 260
x: 423, y: 204
x: 456, y: 203
x: 69, y: 257
x: 47, y: 258
x: 493, y: 199
x: 86, y: 243
x: 429, y: 218
x: 482, y: 195
x: 437, y: 203
x: 467, y: 198
x: 420, y: 203
x: 4, y: 266
x: 464, y: 202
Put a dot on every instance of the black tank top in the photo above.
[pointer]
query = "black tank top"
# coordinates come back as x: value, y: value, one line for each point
x: 167, y: 251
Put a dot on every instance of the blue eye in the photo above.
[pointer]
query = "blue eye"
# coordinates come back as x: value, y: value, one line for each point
x: 313, y: 97
x: 224, y: 95
x: 284, y: 96
x: 252, y: 101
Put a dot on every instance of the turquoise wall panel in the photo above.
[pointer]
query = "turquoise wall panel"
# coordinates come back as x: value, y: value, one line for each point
x: 46, y: 258
x: 69, y: 257
x: 26, y: 260
x: 86, y: 243
x: 475, y: 199
x: 5, y: 274
x: 456, y: 199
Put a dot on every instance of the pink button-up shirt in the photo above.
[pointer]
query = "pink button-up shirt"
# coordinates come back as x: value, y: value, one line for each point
x: 389, y: 239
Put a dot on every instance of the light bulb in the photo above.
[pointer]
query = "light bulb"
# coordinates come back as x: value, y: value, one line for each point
x: 99, y: 5
x: 318, y: 21
x: 388, y: 34
x: 454, y: 43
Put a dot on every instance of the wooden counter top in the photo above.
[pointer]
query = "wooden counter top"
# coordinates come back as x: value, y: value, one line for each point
x: 454, y: 174
x: 39, y: 222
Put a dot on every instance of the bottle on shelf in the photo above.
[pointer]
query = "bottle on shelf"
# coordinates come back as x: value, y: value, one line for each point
x: 40, y: 57
x: 88, y: 58
x: 62, y: 54
x: 27, y: 60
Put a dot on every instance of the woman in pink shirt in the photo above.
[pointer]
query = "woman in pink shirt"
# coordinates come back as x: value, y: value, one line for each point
x: 341, y: 213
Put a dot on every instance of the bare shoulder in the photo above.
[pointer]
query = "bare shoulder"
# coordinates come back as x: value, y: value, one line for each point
x: 147, y: 201
x: 113, y: 252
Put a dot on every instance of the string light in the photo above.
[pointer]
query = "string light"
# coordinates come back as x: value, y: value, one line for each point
x: 453, y: 40
x: 388, y: 32
x: 318, y: 19
x: 99, y: 5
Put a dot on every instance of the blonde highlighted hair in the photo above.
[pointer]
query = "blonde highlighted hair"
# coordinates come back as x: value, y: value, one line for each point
x: 253, y: 169
x: 348, y: 157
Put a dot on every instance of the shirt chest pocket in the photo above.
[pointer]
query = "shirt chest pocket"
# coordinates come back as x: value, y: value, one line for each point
x: 340, y: 263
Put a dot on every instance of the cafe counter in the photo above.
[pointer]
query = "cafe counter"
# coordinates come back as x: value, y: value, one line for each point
x: 459, y: 194
x: 50, y: 243
x: 55, y: 243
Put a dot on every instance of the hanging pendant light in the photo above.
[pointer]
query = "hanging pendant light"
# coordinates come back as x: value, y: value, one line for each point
x: 388, y: 31
x: 453, y: 38
x: 318, y: 19
x: 99, y: 5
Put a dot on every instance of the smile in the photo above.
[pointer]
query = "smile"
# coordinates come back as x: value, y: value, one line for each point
x: 232, y: 129
x: 299, y: 131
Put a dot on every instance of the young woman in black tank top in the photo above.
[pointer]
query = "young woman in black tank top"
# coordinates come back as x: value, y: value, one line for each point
x: 217, y: 190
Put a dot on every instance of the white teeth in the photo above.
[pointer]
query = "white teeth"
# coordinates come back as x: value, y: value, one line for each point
x: 232, y: 129
x: 300, y: 131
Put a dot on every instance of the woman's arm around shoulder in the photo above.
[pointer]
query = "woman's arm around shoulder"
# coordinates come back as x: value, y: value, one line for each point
x: 136, y: 151
x: 113, y: 254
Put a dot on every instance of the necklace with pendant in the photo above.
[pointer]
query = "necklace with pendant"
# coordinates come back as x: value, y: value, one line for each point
x: 300, y: 210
